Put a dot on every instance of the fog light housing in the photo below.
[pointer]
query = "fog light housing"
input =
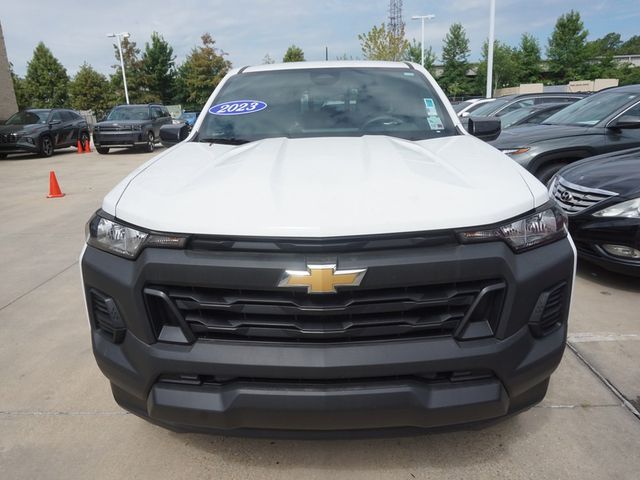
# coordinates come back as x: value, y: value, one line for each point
x: 622, y: 251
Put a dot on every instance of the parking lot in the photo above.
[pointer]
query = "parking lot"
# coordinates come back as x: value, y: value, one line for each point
x: 58, y: 419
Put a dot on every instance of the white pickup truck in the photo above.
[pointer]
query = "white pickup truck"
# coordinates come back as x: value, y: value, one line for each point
x: 328, y: 252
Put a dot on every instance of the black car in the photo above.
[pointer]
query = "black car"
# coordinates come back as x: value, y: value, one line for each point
x: 606, y: 121
x: 601, y: 196
x: 534, y: 115
x: 41, y: 131
x: 131, y: 126
x: 509, y: 103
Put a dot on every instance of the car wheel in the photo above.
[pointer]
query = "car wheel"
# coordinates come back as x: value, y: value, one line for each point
x: 546, y: 173
x: 151, y: 142
x: 102, y: 150
x: 3, y: 156
x: 46, y: 146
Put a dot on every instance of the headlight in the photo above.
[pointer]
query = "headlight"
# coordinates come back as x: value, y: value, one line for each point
x: 126, y: 241
x: 515, y: 151
x: 545, y: 226
x: 628, y: 209
x: 137, y: 127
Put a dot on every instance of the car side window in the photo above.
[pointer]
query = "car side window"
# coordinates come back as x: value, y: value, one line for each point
x: 67, y: 116
x: 55, y: 116
x: 633, y: 112
x: 165, y: 112
x: 155, y: 113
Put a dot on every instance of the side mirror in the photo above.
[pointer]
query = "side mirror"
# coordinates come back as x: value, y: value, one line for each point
x: 626, y: 122
x: 171, y: 134
x: 484, y: 128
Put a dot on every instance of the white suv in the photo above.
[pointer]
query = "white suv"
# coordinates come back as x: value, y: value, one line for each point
x: 328, y: 251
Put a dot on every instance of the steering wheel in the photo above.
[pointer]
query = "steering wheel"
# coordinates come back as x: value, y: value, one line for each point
x: 382, y: 119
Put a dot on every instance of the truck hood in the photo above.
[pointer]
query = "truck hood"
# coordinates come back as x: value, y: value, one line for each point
x: 325, y: 187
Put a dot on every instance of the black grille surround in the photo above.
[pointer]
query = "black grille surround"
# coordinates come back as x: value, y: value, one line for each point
x: 349, y: 315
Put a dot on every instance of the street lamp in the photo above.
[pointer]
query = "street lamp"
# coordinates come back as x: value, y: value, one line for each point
x: 423, y: 18
x: 492, y: 23
x: 120, y: 36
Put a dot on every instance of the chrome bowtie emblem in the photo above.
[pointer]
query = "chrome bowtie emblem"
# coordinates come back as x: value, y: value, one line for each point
x: 322, y: 278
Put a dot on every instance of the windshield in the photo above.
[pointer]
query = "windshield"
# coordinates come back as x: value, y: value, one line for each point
x: 129, y: 113
x: 486, y: 109
x: 346, y: 102
x: 459, y: 106
x: 29, y: 117
x: 591, y: 110
x: 513, y: 116
x: 188, y: 115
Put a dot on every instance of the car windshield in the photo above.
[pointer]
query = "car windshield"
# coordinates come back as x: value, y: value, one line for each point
x: 129, y: 113
x: 486, y: 109
x: 591, y: 110
x: 513, y: 116
x: 29, y: 117
x: 188, y: 115
x: 460, y: 106
x: 346, y: 102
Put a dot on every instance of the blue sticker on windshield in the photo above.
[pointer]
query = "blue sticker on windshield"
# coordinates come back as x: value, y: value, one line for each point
x: 238, y: 107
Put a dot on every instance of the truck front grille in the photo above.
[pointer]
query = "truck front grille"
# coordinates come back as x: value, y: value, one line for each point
x: 278, y: 315
x: 575, y: 198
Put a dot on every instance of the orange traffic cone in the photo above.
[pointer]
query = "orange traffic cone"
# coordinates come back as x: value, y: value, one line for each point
x: 54, y: 188
x: 79, y: 147
x: 87, y: 146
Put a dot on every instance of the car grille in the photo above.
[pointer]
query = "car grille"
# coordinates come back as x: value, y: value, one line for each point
x: 8, y: 138
x: 422, y: 311
x: 120, y: 128
x: 575, y: 198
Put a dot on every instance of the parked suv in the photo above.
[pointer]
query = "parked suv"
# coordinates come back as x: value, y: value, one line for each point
x: 328, y: 251
x: 606, y: 121
x: 131, y: 126
x: 41, y: 131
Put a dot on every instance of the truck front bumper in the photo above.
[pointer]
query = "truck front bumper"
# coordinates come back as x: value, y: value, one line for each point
x: 308, y: 388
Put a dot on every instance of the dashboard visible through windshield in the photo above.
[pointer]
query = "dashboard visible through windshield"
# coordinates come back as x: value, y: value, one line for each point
x: 351, y: 102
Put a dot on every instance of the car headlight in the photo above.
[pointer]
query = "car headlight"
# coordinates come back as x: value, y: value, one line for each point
x: 548, y: 224
x: 126, y: 241
x: 137, y: 127
x: 628, y: 209
x: 515, y: 151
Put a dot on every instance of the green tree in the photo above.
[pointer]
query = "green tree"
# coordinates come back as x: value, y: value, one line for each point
x: 158, y: 65
x: 267, y: 60
x: 90, y: 90
x: 46, y: 83
x: 293, y: 54
x: 201, y: 72
x: 529, y: 59
x: 137, y: 82
x: 630, y: 47
x: 414, y: 54
x: 380, y: 43
x: 455, y: 59
x: 19, y: 87
x: 566, y: 51
x: 506, y: 69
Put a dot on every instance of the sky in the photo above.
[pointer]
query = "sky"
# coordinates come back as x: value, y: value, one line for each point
x: 249, y: 29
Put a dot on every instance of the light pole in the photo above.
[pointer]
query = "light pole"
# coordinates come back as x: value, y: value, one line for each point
x: 120, y: 36
x: 492, y: 23
x: 423, y: 18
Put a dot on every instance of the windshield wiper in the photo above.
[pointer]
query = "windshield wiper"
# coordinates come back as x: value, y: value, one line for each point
x: 225, y: 140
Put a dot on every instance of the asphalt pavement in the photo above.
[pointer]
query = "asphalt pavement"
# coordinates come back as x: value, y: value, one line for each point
x: 58, y: 419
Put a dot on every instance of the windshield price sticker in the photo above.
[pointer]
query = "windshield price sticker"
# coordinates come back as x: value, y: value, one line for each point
x: 238, y: 107
x: 432, y: 115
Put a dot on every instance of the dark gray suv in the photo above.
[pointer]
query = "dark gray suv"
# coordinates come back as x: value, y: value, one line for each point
x: 131, y: 126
